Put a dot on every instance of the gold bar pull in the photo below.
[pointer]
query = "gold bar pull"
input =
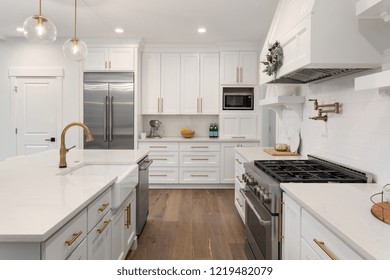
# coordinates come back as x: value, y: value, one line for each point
x: 201, y: 105
x: 74, y: 237
x: 199, y: 147
x: 199, y: 175
x: 127, y: 218
x: 159, y: 158
x: 104, y: 206
x: 280, y: 221
x: 321, y: 244
x: 238, y: 161
x: 158, y: 147
x: 105, y: 224
x: 238, y: 201
x: 158, y: 105
x: 109, y: 64
x: 237, y: 75
x: 199, y: 159
x: 158, y: 175
x: 239, y: 180
x: 129, y: 215
x: 241, y: 75
x: 238, y: 137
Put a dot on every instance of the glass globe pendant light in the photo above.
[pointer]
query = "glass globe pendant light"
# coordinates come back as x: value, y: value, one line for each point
x: 39, y: 29
x: 74, y: 48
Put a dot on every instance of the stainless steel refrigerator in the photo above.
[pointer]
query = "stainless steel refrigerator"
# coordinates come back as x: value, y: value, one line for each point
x: 109, y: 110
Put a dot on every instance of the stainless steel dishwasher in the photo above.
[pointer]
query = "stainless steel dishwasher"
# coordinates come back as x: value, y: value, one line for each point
x: 142, y: 193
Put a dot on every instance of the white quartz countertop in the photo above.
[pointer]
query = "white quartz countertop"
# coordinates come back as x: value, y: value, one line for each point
x: 35, y: 202
x: 346, y: 210
x: 198, y: 139
x: 257, y: 153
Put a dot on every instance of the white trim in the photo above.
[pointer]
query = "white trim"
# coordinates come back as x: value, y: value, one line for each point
x: 35, y: 72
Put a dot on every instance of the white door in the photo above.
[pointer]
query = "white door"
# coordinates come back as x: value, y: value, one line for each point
x: 248, y: 68
x: 37, y: 113
x: 151, y: 83
x: 229, y: 68
x: 189, y: 83
x: 170, y: 83
x: 209, y: 83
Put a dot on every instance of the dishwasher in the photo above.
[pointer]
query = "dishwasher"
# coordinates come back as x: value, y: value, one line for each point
x: 142, y: 194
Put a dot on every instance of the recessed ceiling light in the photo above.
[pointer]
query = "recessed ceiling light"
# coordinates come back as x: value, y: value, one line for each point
x: 119, y: 30
x: 202, y: 30
x: 20, y: 29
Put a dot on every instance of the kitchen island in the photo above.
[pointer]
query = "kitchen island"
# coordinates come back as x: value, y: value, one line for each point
x: 344, y: 210
x: 37, y: 201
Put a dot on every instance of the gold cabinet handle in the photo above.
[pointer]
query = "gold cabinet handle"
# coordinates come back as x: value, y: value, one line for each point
x: 239, y: 137
x: 199, y: 159
x: 109, y: 64
x: 105, y: 224
x: 241, y: 75
x: 162, y: 105
x: 201, y: 104
x: 237, y: 75
x: 321, y: 244
x: 128, y: 218
x: 104, y: 206
x: 158, y: 105
x: 158, y: 175
x: 199, y: 147
x: 238, y: 201
x: 105, y: 65
x: 159, y: 158
x: 280, y: 221
x: 239, y: 180
x: 238, y: 161
x: 158, y: 147
x: 74, y: 237
x: 199, y: 175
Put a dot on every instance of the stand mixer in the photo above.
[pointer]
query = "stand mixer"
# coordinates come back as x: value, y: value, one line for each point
x: 154, y: 125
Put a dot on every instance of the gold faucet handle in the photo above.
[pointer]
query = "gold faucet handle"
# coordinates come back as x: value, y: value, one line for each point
x: 67, y: 150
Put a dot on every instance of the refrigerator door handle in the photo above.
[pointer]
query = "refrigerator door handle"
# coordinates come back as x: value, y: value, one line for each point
x: 105, y: 119
x: 111, y: 118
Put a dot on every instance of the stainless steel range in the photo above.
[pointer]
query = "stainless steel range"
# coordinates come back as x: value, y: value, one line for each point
x: 262, y: 195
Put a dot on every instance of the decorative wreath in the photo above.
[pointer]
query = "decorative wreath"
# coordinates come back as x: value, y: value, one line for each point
x: 274, y: 59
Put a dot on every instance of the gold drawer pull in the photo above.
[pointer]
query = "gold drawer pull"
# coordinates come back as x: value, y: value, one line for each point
x: 159, y: 158
x: 158, y: 175
x: 238, y: 137
x: 74, y: 237
x: 105, y: 224
x: 199, y: 175
x: 199, y: 159
x: 321, y: 244
x: 239, y: 162
x: 128, y: 218
x: 199, y: 147
x: 104, y: 206
x: 158, y: 147
x: 238, y: 201
x: 239, y: 180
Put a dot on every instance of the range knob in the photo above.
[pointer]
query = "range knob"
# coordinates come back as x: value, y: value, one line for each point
x: 266, y: 198
x: 257, y: 191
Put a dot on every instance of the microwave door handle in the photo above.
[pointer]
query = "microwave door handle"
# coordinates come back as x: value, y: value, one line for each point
x: 249, y: 203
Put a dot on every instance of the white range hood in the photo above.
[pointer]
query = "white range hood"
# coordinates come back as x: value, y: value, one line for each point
x: 320, y: 39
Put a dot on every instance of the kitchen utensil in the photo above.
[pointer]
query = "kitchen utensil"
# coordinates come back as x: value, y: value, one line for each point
x: 281, y: 147
x: 154, y: 129
x: 295, y: 142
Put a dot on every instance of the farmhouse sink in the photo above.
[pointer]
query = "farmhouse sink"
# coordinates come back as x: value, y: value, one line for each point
x: 126, y: 182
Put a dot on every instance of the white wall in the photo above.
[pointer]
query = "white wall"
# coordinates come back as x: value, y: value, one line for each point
x: 358, y: 137
x: 20, y: 53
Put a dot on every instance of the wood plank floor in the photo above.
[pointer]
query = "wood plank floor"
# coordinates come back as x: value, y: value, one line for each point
x: 191, y: 225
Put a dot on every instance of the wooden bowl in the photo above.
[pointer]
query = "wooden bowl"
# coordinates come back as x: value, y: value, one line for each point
x: 187, y: 134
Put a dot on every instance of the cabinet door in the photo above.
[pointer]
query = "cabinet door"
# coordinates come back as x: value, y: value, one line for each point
x: 248, y: 68
x: 130, y: 223
x: 97, y: 59
x: 229, y: 126
x: 170, y: 83
x: 80, y: 253
x: 151, y: 78
x: 247, y: 126
x: 291, y: 229
x: 99, y: 240
x: 190, y: 103
x: 118, y: 231
x: 229, y: 68
x: 209, y: 83
x: 121, y: 59
x: 227, y: 162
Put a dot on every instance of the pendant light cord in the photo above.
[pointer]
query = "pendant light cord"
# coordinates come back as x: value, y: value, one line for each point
x: 40, y: 7
x: 75, y: 18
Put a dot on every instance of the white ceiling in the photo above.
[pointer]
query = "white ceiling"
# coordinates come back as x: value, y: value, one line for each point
x: 154, y: 21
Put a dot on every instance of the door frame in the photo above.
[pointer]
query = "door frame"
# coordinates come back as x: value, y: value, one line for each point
x: 24, y: 73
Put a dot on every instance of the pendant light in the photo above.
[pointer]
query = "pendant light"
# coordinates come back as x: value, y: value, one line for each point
x: 74, y: 48
x: 39, y: 29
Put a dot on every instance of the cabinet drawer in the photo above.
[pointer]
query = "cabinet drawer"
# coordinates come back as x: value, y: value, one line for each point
x: 81, y: 252
x: 159, y: 146
x: 239, y: 202
x: 199, y: 159
x: 98, y: 208
x: 239, y: 162
x: 312, y: 229
x: 199, y: 147
x: 238, y: 180
x: 99, y: 239
x: 199, y: 175
x: 164, y: 158
x: 161, y: 175
x: 61, y: 244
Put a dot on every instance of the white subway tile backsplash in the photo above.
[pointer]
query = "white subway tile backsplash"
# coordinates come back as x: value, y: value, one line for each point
x: 358, y: 137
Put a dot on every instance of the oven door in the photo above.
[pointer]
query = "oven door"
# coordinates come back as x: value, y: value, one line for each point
x: 260, y: 228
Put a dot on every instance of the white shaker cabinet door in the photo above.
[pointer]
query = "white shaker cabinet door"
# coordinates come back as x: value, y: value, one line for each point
x: 170, y: 83
x: 229, y: 67
x: 227, y: 162
x: 121, y: 59
x: 248, y: 68
x: 99, y: 240
x: 190, y: 103
x: 97, y: 59
x: 209, y: 83
x: 151, y: 83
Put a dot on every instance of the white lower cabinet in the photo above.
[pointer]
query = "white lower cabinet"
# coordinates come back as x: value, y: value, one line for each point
x: 199, y: 175
x: 80, y: 253
x: 123, y: 228
x: 305, y: 237
x: 99, y: 240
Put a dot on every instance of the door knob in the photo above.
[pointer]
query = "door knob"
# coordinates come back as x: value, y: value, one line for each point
x: 52, y: 139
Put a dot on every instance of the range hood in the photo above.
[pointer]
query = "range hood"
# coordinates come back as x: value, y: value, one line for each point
x: 321, y: 39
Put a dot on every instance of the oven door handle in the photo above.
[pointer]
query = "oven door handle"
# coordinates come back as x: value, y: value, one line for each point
x: 264, y: 223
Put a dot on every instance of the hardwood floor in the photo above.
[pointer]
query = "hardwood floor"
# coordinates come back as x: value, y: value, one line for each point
x: 191, y: 225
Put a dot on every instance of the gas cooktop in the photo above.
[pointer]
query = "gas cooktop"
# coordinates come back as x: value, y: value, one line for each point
x: 309, y: 171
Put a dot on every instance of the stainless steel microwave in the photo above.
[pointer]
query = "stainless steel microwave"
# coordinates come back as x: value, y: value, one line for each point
x: 237, y: 99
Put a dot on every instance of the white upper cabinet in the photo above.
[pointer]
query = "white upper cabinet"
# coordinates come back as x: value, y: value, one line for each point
x: 151, y: 82
x: 109, y: 59
x: 170, y: 83
x: 199, y: 83
x: 238, y: 68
